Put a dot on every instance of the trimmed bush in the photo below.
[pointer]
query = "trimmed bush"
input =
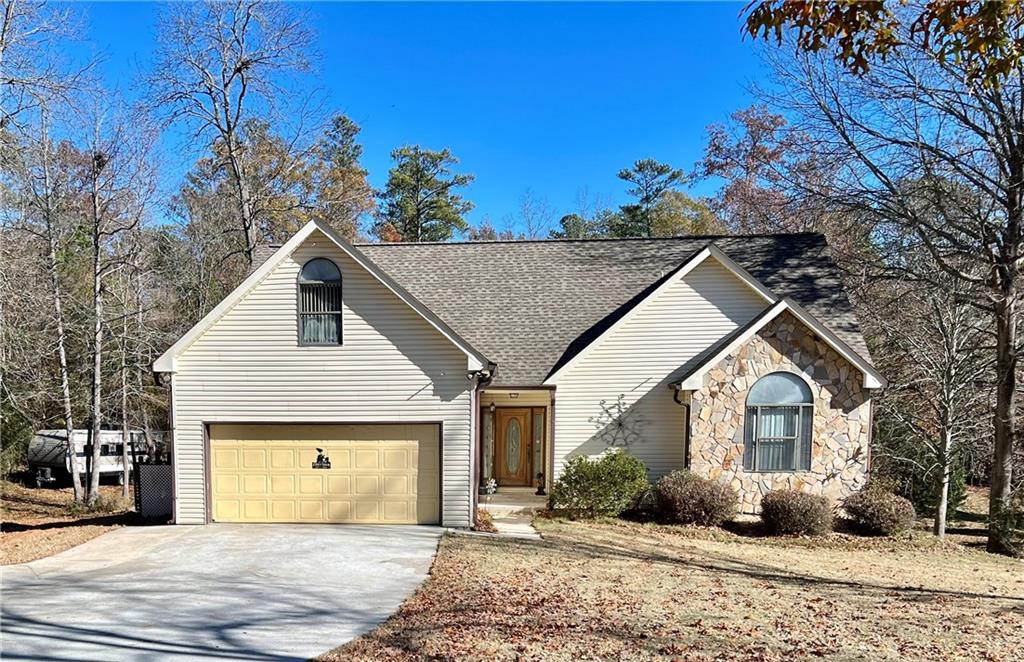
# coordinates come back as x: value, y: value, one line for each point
x: 602, y: 487
x: 879, y: 512
x: 792, y: 511
x: 686, y: 498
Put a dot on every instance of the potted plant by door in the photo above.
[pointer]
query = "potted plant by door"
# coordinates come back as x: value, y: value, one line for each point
x: 487, y: 488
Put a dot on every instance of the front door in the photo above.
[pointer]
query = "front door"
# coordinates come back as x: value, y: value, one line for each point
x: 513, y: 452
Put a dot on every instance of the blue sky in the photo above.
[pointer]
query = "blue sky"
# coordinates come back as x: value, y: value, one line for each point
x: 551, y: 97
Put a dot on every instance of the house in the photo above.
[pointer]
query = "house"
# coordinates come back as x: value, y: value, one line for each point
x: 386, y: 382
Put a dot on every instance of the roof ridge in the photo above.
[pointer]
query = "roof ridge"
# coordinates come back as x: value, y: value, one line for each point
x: 558, y: 240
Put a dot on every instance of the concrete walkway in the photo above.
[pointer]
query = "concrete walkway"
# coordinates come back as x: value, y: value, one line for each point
x: 515, y: 526
x: 512, y: 511
x: 253, y: 592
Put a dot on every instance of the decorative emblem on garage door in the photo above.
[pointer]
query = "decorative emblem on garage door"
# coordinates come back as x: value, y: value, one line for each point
x: 322, y: 461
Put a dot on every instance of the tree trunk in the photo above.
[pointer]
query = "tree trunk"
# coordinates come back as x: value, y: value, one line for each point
x: 126, y: 438
x: 942, y: 506
x: 1005, y: 420
x: 58, y: 311
x: 97, y: 341
x: 244, y: 197
x: 62, y: 357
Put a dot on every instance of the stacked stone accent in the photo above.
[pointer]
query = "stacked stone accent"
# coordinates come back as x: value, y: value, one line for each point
x: 842, y: 415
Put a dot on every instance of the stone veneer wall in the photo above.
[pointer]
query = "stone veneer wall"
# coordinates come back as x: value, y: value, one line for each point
x: 842, y: 415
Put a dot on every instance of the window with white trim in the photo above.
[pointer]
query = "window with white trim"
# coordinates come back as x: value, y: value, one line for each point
x: 779, y: 423
x: 320, y: 303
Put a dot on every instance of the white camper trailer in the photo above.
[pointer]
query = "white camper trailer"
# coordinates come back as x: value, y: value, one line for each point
x: 48, y: 456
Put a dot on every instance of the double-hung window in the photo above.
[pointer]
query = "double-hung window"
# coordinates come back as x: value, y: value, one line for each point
x: 320, y: 303
x: 779, y: 424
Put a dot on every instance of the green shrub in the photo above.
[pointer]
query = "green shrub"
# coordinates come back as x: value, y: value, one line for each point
x: 602, y: 487
x: 686, y: 498
x: 877, y: 511
x: 792, y: 511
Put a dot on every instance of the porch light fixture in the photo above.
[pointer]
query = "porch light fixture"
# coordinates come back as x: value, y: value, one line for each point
x: 513, y: 396
x: 491, y: 408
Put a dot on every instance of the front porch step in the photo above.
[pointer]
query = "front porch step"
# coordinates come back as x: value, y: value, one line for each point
x: 505, y: 504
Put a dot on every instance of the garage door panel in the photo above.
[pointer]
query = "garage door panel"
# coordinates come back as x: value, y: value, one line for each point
x: 428, y: 462
x: 226, y: 458
x: 339, y: 511
x: 367, y: 511
x: 254, y: 484
x: 282, y: 485
x: 254, y: 509
x: 283, y: 511
x: 340, y: 458
x: 367, y: 459
x: 396, y: 458
x: 311, y: 510
x: 426, y: 510
x: 396, y: 511
x: 227, y: 510
x: 396, y: 486
x: 339, y: 485
x: 226, y: 484
x: 282, y: 459
x: 366, y: 485
x: 254, y: 458
x: 378, y: 474
x: 311, y: 485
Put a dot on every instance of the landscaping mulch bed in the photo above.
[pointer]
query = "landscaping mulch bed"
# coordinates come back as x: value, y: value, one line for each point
x: 617, y: 590
x: 39, y: 522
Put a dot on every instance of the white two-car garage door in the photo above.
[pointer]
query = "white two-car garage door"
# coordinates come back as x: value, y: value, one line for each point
x: 379, y: 473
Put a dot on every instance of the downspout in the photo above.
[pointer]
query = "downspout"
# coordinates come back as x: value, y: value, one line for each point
x: 686, y: 428
x: 480, y: 379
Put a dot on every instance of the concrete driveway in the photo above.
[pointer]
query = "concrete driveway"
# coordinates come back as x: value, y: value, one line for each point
x: 253, y: 592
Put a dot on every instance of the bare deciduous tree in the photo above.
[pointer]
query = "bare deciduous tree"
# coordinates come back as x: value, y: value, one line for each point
x: 31, y: 68
x: 935, y: 164
x: 119, y: 186
x: 535, y: 216
x: 937, y: 352
x: 221, y: 65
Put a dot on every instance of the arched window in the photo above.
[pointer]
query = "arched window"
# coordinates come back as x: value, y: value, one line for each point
x: 779, y: 423
x: 320, y: 303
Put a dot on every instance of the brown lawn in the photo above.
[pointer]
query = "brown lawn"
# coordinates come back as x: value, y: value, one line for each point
x: 632, y: 591
x: 39, y: 522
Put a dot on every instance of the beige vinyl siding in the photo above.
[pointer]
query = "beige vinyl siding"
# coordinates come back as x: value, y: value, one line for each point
x: 639, y: 358
x: 393, y: 366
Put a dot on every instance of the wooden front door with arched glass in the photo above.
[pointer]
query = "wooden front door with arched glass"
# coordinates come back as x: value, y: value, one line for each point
x: 513, y: 449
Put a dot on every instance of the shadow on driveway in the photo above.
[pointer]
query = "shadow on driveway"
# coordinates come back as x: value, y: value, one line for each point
x: 254, y: 592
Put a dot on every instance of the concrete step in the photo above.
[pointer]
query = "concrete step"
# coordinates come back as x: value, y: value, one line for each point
x: 513, y: 504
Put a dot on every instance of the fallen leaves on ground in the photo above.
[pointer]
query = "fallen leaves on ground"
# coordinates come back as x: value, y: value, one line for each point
x: 633, y: 591
x: 37, y: 522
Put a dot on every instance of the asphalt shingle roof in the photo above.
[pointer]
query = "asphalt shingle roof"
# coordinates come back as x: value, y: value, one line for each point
x: 530, y: 305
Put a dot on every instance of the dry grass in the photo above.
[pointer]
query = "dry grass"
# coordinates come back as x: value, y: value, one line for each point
x: 40, y: 522
x: 632, y: 591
